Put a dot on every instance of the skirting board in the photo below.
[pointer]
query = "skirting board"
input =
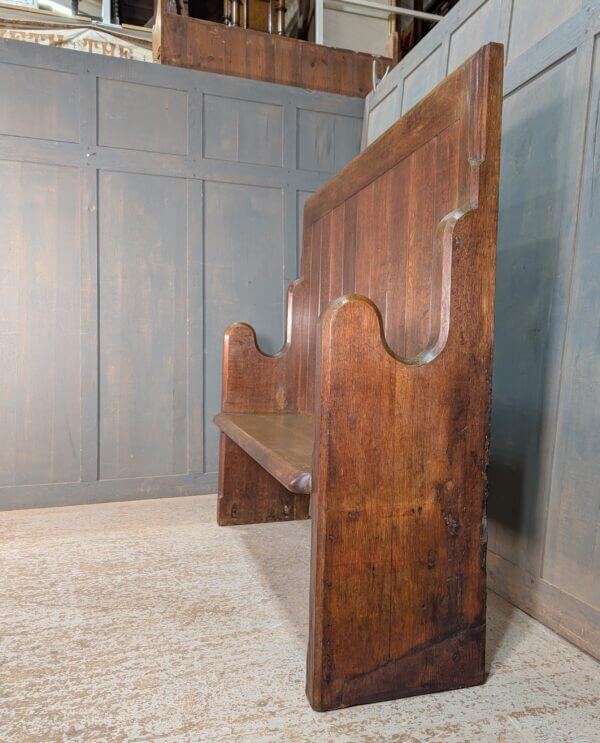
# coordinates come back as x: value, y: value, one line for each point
x: 571, y: 618
x: 105, y: 491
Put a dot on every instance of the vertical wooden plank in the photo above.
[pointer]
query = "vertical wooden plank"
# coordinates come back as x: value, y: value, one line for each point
x: 40, y: 330
x: 195, y: 325
x: 324, y: 263
x: 352, y: 504
x: 313, y: 312
x: 365, y: 226
x: 421, y: 230
x: 143, y: 328
x: 350, y: 233
x: 381, y: 243
x: 336, y: 253
x: 248, y: 494
x: 303, y: 328
x: 301, y: 197
x: 395, y: 319
x: 89, y: 280
x: 288, y: 62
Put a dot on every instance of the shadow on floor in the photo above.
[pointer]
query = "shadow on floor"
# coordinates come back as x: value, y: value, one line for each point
x: 282, y: 554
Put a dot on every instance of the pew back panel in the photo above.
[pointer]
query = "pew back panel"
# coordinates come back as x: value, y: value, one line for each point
x: 372, y: 228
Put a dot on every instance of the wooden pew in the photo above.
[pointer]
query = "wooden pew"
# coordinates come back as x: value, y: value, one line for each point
x: 376, y: 411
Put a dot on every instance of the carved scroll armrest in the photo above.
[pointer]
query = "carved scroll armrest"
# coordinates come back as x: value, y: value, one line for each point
x: 256, y: 382
x: 355, y: 391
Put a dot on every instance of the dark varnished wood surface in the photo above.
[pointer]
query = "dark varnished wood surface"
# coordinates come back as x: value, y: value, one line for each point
x: 230, y: 50
x: 389, y: 347
x: 281, y: 443
x: 248, y: 494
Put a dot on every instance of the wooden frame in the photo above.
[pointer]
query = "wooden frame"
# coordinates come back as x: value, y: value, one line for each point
x: 377, y: 408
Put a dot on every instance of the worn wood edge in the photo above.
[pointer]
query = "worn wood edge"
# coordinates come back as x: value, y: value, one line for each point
x: 295, y: 480
x: 452, y: 649
x: 245, y: 332
x: 393, y: 145
x: 248, y: 333
x: 561, y: 612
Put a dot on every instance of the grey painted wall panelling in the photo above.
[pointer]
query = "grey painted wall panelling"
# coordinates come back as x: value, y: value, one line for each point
x: 145, y: 209
x: 544, y: 460
x: 575, y: 491
x: 40, y: 323
x: 243, y: 131
x: 143, y: 310
x: 244, y: 278
x: 44, y: 103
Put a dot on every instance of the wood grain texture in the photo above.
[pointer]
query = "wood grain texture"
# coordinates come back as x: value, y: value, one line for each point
x: 389, y: 346
x: 281, y: 443
x: 249, y: 495
x: 230, y: 50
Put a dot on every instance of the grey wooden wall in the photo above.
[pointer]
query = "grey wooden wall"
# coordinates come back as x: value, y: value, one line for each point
x: 143, y: 209
x: 544, y: 501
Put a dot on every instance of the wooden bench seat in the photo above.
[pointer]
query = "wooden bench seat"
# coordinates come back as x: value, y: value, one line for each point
x: 282, y: 443
x: 373, y: 419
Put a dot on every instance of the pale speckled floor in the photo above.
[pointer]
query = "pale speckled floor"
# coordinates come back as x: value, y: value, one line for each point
x: 145, y: 621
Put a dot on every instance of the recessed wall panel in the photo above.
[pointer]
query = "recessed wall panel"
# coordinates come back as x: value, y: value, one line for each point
x: 479, y: 28
x: 532, y: 288
x: 384, y: 112
x: 244, y: 278
x: 40, y: 331
x: 326, y: 142
x: 149, y: 118
x: 573, y: 564
x: 39, y: 103
x: 422, y: 79
x: 530, y: 22
x: 243, y: 131
x: 143, y: 325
